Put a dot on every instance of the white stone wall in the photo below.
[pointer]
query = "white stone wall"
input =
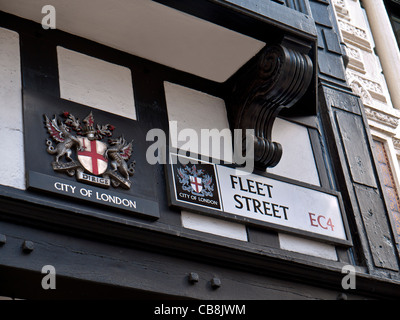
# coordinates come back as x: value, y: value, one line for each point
x: 364, y: 72
x: 12, y: 166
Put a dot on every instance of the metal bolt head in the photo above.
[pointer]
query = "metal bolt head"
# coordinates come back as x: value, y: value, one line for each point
x: 341, y: 296
x: 215, y: 283
x: 193, y: 277
x: 28, y: 246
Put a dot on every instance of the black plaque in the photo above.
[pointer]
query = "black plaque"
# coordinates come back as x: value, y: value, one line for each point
x: 58, y: 168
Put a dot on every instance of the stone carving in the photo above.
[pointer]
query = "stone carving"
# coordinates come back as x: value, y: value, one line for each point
x: 382, y: 117
x: 354, y: 35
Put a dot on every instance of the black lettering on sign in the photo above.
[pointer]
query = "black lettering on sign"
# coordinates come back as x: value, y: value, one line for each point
x: 261, y: 207
x: 251, y: 186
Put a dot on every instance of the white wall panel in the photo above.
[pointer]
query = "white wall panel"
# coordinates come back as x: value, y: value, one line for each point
x: 214, y: 226
x: 12, y: 167
x: 96, y: 83
x: 306, y: 246
x: 195, y: 110
x: 298, y: 158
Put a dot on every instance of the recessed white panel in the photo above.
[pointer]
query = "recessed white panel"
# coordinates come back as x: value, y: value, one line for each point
x: 96, y: 83
x: 203, y: 117
x: 12, y: 167
x: 214, y: 226
x: 306, y: 246
x: 298, y: 158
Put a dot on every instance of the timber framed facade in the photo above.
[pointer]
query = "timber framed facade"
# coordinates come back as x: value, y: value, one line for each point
x: 277, y: 68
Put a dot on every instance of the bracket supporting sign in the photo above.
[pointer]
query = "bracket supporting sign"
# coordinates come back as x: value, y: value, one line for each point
x: 263, y: 200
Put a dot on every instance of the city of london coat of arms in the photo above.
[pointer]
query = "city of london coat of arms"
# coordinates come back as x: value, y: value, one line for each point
x: 79, y: 151
x: 197, y: 182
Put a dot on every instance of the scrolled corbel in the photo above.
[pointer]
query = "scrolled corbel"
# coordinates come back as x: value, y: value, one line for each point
x: 278, y: 78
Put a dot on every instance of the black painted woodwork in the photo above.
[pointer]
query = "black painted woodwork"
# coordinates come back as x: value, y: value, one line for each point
x: 350, y: 146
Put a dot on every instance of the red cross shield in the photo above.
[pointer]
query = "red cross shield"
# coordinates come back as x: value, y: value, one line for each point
x: 92, y: 156
x: 195, y: 182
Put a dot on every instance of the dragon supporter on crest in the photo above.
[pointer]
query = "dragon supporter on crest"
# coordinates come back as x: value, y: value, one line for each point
x: 97, y: 162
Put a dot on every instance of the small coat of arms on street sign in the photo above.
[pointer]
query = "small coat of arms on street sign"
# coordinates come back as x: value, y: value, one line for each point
x: 194, y: 183
x: 80, y: 151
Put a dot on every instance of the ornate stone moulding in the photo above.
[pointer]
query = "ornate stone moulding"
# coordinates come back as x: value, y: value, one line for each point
x: 396, y: 144
x: 389, y: 120
x: 354, y: 35
x: 341, y: 9
x: 374, y: 88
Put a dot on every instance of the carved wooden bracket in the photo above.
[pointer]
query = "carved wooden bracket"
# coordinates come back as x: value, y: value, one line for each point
x: 277, y: 78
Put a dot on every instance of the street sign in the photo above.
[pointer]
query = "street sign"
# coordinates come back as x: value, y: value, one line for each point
x: 258, y: 199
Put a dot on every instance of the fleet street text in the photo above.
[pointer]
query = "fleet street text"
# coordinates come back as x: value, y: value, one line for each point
x: 263, y: 207
x: 252, y: 196
x: 251, y: 186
